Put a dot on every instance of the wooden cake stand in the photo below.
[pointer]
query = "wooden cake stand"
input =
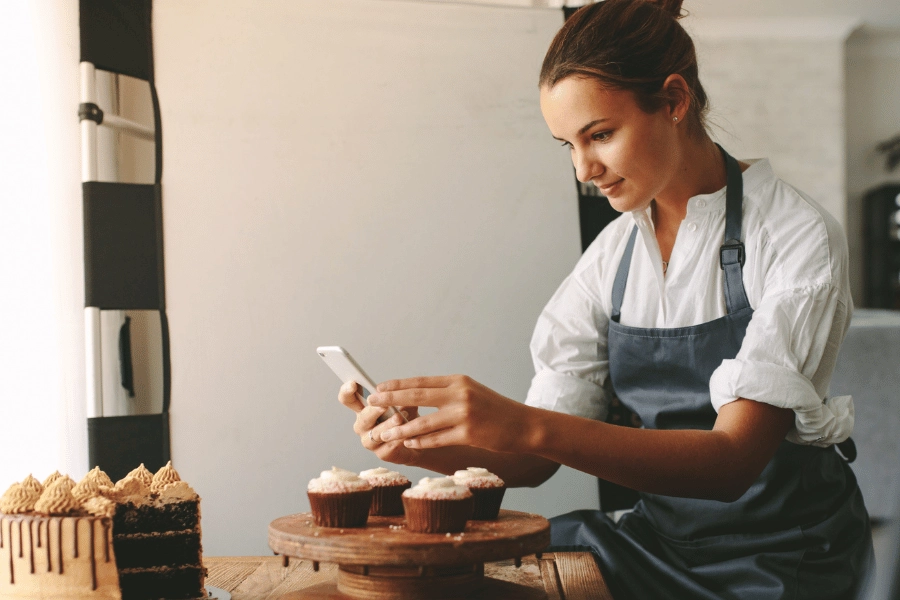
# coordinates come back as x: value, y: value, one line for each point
x: 385, y: 561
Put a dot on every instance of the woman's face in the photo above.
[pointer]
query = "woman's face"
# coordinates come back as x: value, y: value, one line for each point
x: 629, y: 154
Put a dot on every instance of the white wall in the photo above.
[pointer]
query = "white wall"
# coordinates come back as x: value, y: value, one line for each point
x: 41, y: 261
x: 370, y: 174
x: 776, y: 90
x: 872, y: 91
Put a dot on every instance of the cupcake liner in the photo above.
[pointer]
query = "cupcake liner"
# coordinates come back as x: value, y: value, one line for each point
x: 345, y: 509
x: 386, y: 500
x: 487, y: 502
x: 425, y: 515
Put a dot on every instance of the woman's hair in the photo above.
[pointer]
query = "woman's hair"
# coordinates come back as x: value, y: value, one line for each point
x: 629, y: 45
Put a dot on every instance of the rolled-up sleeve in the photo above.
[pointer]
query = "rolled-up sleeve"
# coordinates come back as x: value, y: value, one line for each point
x: 569, y: 351
x: 787, y: 359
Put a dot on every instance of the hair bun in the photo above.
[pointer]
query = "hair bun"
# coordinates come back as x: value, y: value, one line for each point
x: 673, y: 7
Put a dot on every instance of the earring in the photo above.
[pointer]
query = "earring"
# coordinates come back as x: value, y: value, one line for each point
x: 675, y: 119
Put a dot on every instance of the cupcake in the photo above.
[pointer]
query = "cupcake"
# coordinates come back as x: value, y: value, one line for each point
x: 486, y: 488
x: 437, y: 505
x: 339, y: 498
x: 387, y: 486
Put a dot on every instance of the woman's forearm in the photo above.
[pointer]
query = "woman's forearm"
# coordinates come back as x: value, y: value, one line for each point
x: 719, y: 464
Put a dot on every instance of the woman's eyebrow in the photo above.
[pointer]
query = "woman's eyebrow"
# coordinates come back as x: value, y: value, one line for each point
x: 586, y: 127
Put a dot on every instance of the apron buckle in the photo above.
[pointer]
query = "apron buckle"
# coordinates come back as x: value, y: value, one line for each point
x: 731, y: 252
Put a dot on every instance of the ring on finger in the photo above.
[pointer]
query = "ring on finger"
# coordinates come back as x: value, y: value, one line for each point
x: 370, y: 435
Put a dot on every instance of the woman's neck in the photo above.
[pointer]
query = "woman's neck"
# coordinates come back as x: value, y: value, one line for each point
x: 700, y: 170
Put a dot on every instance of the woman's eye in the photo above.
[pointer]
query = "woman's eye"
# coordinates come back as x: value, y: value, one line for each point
x: 601, y: 136
x: 564, y: 144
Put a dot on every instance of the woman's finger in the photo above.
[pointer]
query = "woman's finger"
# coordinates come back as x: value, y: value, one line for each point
x: 367, y: 418
x: 373, y: 436
x: 350, y: 397
x: 423, y: 425
x: 439, y: 381
x: 419, y: 396
x: 438, y: 439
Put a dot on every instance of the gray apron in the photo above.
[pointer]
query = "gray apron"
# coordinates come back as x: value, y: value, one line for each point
x: 800, y: 531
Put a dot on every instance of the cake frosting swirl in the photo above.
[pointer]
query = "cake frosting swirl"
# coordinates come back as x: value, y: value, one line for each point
x: 86, y: 489
x: 128, y: 490
x: 57, y: 499
x: 100, y: 477
x: 477, y: 477
x: 164, y: 477
x: 51, y: 478
x: 337, y: 480
x: 18, y: 499
x: 100, y: 506
x: 438, y: 488
x: 33, y: 484
x: 179, y: 491
x: 380, y: 476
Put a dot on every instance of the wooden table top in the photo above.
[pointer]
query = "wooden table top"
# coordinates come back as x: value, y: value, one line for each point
x: 561, y: 575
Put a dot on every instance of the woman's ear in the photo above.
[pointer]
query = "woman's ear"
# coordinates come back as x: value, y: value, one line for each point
x: 678, y: 96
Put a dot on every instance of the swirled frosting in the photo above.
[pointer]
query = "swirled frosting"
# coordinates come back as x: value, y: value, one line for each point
x: 438, y: 488
x: 128, y: 490
x: 179, y: 491
x: 18, y: 499
x: 57, y: 499
x: 86, y: 488
x: 380, y: 476
x: 100, y: 506
x: 33, y: 484
x: 144, y: 475
x: 337, y: 481
x: 67, y: 481
x: 51, y: 478
x: 164, y: 477
x: 100, y: 477
x: 476, y: 477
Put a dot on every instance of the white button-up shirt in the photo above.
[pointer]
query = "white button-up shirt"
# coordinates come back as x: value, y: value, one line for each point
x: 796, y: 279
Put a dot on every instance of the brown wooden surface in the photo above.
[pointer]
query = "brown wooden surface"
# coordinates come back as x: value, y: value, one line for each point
x: 560, y: 576
x: 385, y: 541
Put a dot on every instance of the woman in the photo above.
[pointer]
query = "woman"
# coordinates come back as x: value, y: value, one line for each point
x: 713, y: 307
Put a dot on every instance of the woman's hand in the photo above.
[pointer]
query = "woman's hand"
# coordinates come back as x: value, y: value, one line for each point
x: 369, y: 430
x: 469, y: 414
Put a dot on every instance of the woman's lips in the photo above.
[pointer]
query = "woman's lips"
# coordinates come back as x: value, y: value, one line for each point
x: 606, y: 190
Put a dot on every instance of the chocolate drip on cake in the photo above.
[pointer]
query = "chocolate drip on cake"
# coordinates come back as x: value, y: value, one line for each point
x: 59, y: 544
x: 12, y: 575
x: 31, y: 543
x: 106, y: 525
x: 39, y: 534
x: 93, y: 559
x: 49, y: 563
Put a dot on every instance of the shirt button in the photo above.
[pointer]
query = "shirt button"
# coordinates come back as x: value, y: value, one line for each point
x: 701, y: 203
x: 692, y: 227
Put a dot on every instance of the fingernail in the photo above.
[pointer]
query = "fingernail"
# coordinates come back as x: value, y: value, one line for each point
x: 347, y: 387
x: 388, y: 435
x: 370, y: 398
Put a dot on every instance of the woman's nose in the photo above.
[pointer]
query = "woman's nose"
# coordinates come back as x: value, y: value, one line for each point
x: 586, y: 166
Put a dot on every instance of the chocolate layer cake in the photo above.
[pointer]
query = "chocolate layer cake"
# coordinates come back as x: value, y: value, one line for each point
x: 139, y: 539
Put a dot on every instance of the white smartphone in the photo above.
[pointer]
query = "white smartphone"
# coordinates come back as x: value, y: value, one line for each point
x: 348, y: 369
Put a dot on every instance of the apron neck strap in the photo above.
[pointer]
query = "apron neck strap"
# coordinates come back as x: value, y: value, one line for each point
x: 731, y: 253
